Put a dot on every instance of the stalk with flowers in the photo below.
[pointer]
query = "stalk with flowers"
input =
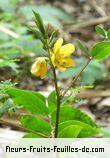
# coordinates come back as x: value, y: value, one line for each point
x: 58, y: 57
x: 55, y: 116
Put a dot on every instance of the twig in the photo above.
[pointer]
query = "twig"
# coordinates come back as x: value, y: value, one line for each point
x: 98, y: 8
x: 9, y: 32
x: 88, y: 94
x: 87, y: 23
x: 76, y: 77
x: 7, y: 123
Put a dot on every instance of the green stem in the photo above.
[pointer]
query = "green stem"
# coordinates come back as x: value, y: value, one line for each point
x: 58, y: 96
x: 58, y: 104
x: 76, y: 77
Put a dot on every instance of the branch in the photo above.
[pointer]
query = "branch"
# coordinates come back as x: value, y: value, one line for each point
x: 87, y: 23
x: 76, y: 77
x: 9, y: 32
x: 89, y: 94
x: 7, y: 123
x: 98, y: 8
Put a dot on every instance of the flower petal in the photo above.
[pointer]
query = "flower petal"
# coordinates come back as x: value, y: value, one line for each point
x: 53, y: 59
x: 67, y: 50
x: 35, y: 67
x: 58, y: 45
x: 68, y: 62
x: 62, y: 68
x: 43, y: 70
x: 39, y: 68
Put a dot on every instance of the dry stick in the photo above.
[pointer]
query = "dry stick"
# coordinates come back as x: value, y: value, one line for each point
x: 77, y: 76
x: 9, y: 32
x: 98, y: 8
x: 89, y: 94
x: 86, y: 23
x: 7, y: 123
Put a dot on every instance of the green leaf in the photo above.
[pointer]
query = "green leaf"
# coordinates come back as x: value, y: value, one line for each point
x: 39, y: 23
x: 8, y: 62
x: 53, y: 36
x: 31, y: 135
x: 86, y: 130
x: 52, y: 102
x: 32, y: 101
x: 53, y: 42
x: 35, y: 124
x: 6, y: 106
x: 100, y: 30
x: 82, y: 47
x: 21, y: 46
x: 77, y: 89
x: 108, y: 33
x: 37, y: 33
x: 71, y: 131
x: 6, y: 84
x: 74, y: 92
x: 68, y: 112
x: 101, y: 50
x: 26, y: 41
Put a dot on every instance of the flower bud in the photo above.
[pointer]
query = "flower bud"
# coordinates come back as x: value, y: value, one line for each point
x: 39, y: 68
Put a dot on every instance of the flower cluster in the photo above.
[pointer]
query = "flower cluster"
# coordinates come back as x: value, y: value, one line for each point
x: 60, y: 58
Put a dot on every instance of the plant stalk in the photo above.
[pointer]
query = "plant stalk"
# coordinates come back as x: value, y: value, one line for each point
x: 57, y: 94
x: 76, y: 77
x: 58, y: 104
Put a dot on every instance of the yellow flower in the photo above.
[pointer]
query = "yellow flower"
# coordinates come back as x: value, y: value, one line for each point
x: 39, y: 68
x: 60, y: 55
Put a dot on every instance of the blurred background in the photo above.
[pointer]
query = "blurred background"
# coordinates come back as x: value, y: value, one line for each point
x: 75, y: 19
